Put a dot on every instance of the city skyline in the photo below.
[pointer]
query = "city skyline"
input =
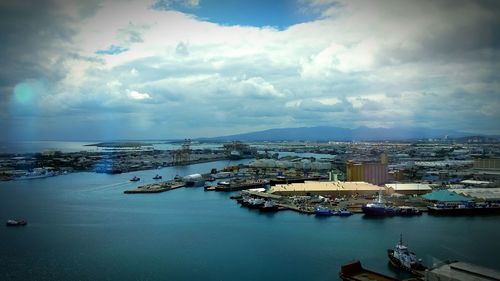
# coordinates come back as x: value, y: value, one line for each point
x: 173, y: 69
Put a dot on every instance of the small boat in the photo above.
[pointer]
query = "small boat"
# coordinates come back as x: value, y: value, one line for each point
x: 225, y: 183
x: 409, y: 211
x: 135, y: 179
x: 323, y: 212
x: 157, y: 177
x: 12, y: 222
x: 402, y: 258
x: 342, y: 213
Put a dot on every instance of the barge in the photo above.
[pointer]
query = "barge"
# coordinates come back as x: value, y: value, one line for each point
x: 355, y: 272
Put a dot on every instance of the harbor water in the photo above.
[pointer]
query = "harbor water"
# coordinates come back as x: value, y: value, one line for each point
x: 82, y: 227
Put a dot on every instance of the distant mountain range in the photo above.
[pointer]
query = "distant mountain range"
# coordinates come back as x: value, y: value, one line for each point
x: 341, y: 134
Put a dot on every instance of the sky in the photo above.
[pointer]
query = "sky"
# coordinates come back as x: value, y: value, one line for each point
x: 162, y: 69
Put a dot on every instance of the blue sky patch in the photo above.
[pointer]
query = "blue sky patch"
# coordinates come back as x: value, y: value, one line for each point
x: 112, y: 50
x: 277, y: 13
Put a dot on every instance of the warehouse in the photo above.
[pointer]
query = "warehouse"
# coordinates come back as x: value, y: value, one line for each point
x: 337, y: 188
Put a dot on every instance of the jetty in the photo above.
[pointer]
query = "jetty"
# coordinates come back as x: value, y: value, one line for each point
x: 157, y: 187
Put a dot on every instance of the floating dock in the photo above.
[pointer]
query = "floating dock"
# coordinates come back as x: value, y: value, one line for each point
x: 156, y: 187
x: 355, y: 272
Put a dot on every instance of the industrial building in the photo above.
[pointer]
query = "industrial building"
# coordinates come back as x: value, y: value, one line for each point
x: 371, y: 172
x: 409, y: 188
x: 335, y: 188
x: 483, y: 194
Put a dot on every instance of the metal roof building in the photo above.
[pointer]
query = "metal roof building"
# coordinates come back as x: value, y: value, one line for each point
x: 486, y: 194
x: 444, y: 196
x: 409, y: 188
x: 326, y: 188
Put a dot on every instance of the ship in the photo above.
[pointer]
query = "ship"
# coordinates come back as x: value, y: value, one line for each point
x: 342, y: 213
x: 401, y: 257
x: 464, y: 208
x: 269, y: 206
x: 157, y: 177
x: 12, y: 222
x: 135, y: 179
x: 237, y: 185
x: 37, y: 173
x: 194, y: 180
x: 378, y: 208
x: 408, y: 211
x: 255, y: 203
x: 323, y: 212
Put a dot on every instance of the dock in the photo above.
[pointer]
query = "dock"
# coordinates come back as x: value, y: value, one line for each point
x: 156, y: 187
x: 355, y: 272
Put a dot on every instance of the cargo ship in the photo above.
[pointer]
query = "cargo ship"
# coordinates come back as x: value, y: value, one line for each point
x: 237, y: 185
x: 464, y: 208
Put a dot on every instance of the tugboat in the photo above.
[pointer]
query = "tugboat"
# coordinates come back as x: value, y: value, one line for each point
x: 16, y: 222
x: 157, y: 177
x: 378, y: 208
x: 402, y: 258
x: 135, y: 179
x: 323, y: 212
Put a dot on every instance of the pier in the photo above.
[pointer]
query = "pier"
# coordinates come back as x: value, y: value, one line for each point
x: 156, y: 187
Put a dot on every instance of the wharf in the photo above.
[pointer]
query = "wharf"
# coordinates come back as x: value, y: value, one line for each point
x: 295, y: 208
x: 156, y: 187
x: 238, y: 186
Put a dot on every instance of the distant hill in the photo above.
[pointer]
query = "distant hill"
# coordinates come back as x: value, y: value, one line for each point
x: 341, y: 134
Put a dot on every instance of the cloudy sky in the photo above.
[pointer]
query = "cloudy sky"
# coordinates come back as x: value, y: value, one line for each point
x: 138, y: 69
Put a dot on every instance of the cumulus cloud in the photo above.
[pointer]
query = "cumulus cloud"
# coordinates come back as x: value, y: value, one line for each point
x: 138, y: 96
x: 371, y: 63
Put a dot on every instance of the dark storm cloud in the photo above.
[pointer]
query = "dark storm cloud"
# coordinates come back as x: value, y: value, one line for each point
x: 36, y: 39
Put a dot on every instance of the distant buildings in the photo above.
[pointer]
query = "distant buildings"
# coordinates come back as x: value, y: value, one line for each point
x: 487, y: 168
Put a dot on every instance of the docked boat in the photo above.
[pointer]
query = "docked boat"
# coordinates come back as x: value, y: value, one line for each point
x: 37, y: 173
x: 135, y: 179
x: 269, y: 206
x: 194, y: 180
x: 408, y: 211
x: 401, y: 257
x: 255, y: 203
x: 464, y: 208
x: 12, y: 222
x: 323, y: 212
x: 378, y: 208
x: 237, y: 185
x: 157, y: 177
x: 342, y: 213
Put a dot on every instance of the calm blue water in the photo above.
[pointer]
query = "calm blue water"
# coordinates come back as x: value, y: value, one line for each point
x: 82, y: 227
